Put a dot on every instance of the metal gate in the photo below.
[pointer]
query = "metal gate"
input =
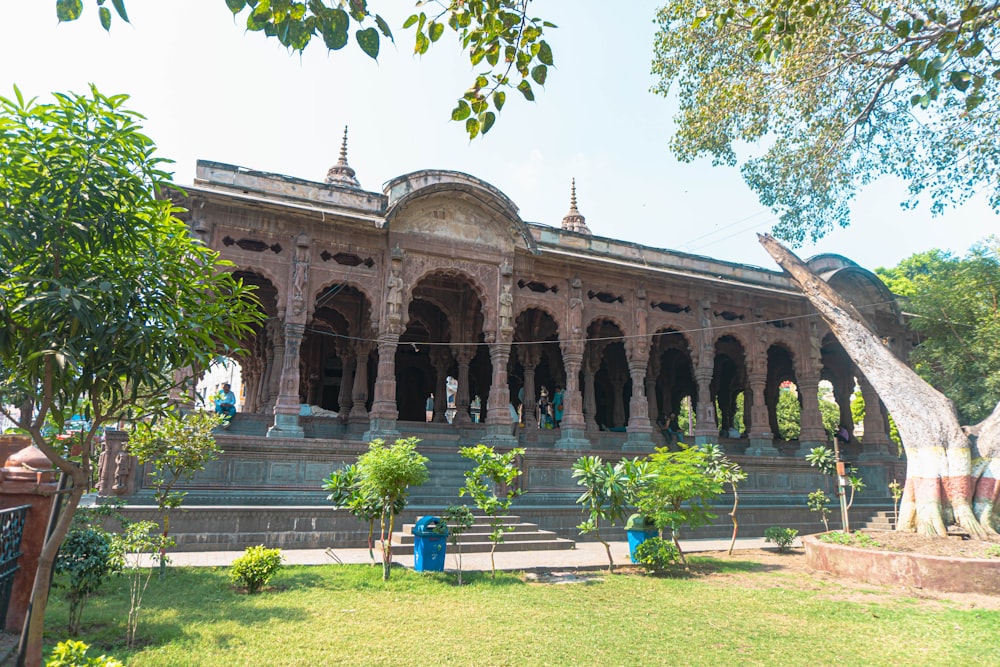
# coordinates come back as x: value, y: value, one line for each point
x: 11, y: 528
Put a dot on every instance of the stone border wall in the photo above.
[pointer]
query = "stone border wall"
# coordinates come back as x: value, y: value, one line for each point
x: 950, y: 575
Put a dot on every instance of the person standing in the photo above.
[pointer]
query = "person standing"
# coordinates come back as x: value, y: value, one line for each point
x: 557, y: 405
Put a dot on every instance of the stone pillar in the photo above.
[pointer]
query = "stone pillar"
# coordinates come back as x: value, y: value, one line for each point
x: 382, y: 419
x: 276, y: 360
x: 441, y: 360
x: 286, y: 409
x: 876, y: 443
x: 529, y: 356
x: 706, y: 430
x: 761, y: 437
x: 359, y: 391
x: 464, y: 355
x: 348, y: 363
x: 499, y: 425
x: 573, y: 425
x: 639, y: 427
x: 618, y: 377
x: 591, y: 362
x: 651, y: 374
x: 812, y: 433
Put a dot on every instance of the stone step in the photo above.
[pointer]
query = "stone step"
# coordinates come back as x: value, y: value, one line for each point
x: 881, y: 521
x: 555, y: 543
x: 483, y: 536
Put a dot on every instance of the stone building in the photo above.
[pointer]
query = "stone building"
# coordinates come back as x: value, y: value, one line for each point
x: 373, y: 299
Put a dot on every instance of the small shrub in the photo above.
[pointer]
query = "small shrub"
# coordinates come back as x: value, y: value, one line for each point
x: 783, y: 537
x: 255, y: 568
x: 837, y: 537
x: 857, y: 539
x: 993, y: 551
x: 71, y: 653
x: 866, y: 541
x: 658, y: 555
x: 88, y: 558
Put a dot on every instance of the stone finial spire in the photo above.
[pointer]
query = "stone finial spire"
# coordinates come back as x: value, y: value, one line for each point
x: 574, y: 220
x: 341, y: 173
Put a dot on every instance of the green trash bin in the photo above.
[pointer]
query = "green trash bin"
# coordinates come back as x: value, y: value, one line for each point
x: 639, y: 529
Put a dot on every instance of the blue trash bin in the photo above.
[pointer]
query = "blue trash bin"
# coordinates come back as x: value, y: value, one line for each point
x: 430, y: 540
x: 639, y: 529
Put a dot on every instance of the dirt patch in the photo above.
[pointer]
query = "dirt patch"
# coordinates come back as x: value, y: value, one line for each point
x: 953, y: 546
x: 795, y: 573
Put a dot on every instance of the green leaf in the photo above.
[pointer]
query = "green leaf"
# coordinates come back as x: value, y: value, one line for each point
x: 435, y: 30
x: 545, y: 53
x: 961, y: 80
x: 105, y: 15
x: 120, y: 8
x: 973, y: 101
x: 409, y: 22
x: 335, y: 30
x: 235, y: 6
x: 68, y: 10
x: 472, y: 127
x: 499, y: 97
x: 384, y: 28
x: 368, y: 41
x: 525, y: 89
x: 460, y: 112
x: 538, y: 74
x: 488, y: 119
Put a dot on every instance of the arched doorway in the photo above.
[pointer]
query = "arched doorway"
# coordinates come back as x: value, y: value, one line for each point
x: 729, y: 380
x: 443, y: 338
x: 536, y: 363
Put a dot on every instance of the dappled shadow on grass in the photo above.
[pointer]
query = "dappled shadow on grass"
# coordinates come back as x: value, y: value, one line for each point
x: 703, y: 565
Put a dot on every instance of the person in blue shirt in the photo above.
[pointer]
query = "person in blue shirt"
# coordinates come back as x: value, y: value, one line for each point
x: 225, y: 403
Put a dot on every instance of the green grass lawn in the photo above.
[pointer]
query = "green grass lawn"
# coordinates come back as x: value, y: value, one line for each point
x: 346, y: 615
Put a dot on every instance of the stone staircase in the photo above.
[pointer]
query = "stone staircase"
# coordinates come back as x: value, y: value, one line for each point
x: 881, y: 521
x: 519, y: 536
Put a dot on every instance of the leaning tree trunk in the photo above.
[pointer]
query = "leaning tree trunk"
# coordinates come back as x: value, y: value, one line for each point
x: 948, y: 477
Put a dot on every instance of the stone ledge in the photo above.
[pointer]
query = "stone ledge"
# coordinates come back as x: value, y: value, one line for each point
x: 937, y: 573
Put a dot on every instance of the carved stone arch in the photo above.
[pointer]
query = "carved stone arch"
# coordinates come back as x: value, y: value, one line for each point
x: 500, y: 222
x: 618, y: 322
x: 477, y: 286
x: 279, y: 285
x: 788, y: 349
x: 736, y: 334
x: 545, y: 308
x: 367, y: 319
x: 667, y: 330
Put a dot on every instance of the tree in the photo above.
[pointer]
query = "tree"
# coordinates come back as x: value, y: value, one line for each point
x: 459, y: 519
x: 838, y: 93
x: 385, y: 473
x: 103, y: 293
x: 490, y: 484
x: 610, y: 491
x: 499, y: 32
x: 344, y: 486
x: 678, y: 491
x: 175, y: 447
x: 950, y: 477
x: 726, y: 472
x: 955, y: 308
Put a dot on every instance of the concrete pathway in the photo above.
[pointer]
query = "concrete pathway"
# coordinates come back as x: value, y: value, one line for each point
x: 586, y: 554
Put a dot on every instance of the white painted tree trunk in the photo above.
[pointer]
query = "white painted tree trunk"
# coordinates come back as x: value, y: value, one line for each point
x: 949, y: 478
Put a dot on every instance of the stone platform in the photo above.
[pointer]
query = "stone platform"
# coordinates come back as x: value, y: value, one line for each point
x: 268, y: 490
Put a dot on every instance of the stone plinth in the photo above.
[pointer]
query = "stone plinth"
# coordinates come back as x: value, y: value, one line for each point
x: 34, y: 486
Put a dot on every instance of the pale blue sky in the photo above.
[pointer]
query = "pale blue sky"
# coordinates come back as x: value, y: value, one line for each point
x: 211, y: 91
